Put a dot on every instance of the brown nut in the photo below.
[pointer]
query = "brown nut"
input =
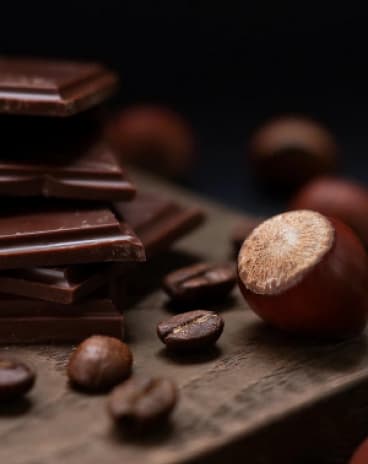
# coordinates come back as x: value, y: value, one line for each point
x: 335, y: 197
x: 290, y: 150
x: 305, y: 273
x: 360, y: 455
x: 154, y: 138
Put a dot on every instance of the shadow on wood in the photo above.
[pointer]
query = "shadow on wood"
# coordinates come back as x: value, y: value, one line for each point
x: 198, y: 357
x: 16, y: 407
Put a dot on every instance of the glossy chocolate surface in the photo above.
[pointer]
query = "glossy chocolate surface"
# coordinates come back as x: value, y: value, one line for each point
x: 52, y: 88
x: 53, y: 233
x: 64, y: 285
x: 158, y: 222
x: 25, y: 320
x: 87, y: 171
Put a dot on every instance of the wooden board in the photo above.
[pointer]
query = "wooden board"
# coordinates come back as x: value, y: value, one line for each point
x: 260, y: 397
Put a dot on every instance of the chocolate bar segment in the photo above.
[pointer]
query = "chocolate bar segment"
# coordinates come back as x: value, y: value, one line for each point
x: 87, y: 173
x: 27, y: 321
x: 63, y: 285
x: 53, y: 234
x: 158, y: 222
x: 52, y: 88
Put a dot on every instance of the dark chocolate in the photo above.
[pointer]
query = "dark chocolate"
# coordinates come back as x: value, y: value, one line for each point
x: 59, y: 329
x: 53, y: 234
x: 52, y: 88
x: 87, y: 172
x: 27, y: 321
x: 157, y: 221
x: 64, y: 285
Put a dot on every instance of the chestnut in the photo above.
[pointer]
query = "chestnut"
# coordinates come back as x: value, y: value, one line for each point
x: 340, y: 198
x: 305, y: 273
x: 360, y: 455
x: 154, y: 138
x: 289, y: 150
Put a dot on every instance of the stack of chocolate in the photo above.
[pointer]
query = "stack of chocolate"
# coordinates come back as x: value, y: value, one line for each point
x: 69, y: 211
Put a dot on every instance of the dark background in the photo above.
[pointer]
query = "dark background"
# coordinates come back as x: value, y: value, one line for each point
x: 227, y: 66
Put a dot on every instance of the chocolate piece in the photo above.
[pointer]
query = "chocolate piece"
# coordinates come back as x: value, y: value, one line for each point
x: 158, y: 222
x: 24, y: 320
x: 53, y: 234
x: 87, y: 171
x: 58, y: 284
x: 52, y: 88
x: 64, y: 158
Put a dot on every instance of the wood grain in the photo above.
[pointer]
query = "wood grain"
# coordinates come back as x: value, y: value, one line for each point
x: 260, y: 397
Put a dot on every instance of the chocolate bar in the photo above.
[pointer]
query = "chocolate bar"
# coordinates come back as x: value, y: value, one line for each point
x: 53, y: 234
x: 157, y: 221
x: 52, y: 88
x: 27, y: 321
x: 87, y: 173
x: 63, y: 285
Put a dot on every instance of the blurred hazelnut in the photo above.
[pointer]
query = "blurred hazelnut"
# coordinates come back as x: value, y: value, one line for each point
x: 289, y: 150
x: 340, y: 198
x: 360, y: 455
x: 154, y: 138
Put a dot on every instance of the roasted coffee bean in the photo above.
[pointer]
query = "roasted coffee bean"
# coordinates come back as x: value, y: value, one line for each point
x: 191, y: 331
x: 16, y: 379
x: 142, y: 402
x: 200, y: 282
x: 100, y: 363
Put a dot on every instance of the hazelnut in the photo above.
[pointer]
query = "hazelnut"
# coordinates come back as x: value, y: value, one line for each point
x: 155, y: 138
x: 289, y: 150
x: 360, y: 455
x: 305, y: 273
x: 340, y: 198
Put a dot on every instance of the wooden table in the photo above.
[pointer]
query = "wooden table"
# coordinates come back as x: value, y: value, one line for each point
x: 260, y: 397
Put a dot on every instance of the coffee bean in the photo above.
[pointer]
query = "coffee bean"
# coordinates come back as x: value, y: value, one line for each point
x: 99, y: 363
x: 200, y: 282
x: 191, y: 331
x: 16, y: 379
x: 142, y: 401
